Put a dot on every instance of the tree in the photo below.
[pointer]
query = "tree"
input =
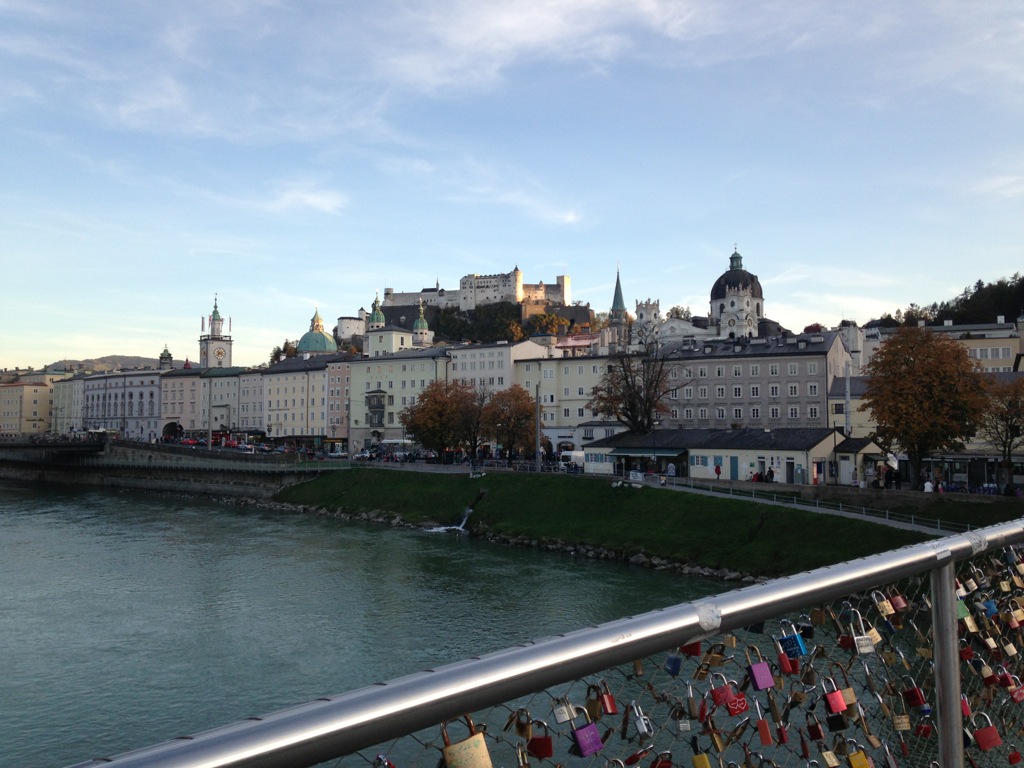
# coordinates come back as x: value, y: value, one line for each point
x: 681, y: 312
x: 510, y: 417
x: 545, y: 324
x: 924, y: 394
x: 434, y: 419
x: 1002, y: 423
x: 290, y: 349
x: 633, y: 387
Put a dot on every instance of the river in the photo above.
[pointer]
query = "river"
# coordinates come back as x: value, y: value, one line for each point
x: 127, y: 619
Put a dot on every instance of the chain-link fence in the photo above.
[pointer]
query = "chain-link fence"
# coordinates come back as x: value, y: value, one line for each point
x: 909, y: 658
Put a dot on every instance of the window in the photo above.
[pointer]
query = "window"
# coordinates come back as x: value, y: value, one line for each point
x: 755, y: 369
x: 702, y: 372
x: 812, y: 390
x: 579, y: 413
x: 794, y: 390
x: 794, y: 369
x: 839, y: 408
x: 565, y: 391
x: 588, y: 433
x: 737, y: 413
x: 565, y: 413
x: 688, y: 393
x: 737, y: 370
x: 773, y: 390
x: 737, y: 392
x: 773, y: 369
x: 720, y: 392
x: 755, y: 390
x: 702, y: 393
x: 794, y: 412
x: 812, y: 412
x: 719, y: 371
x: 673, y: 394
x: 812, y: 369
x: 674, y: 413
x: 702, y: 413
x: 688, y: 413
x: 579, y: 391
x: 755, y: 412
x: 773, y: 412
x: 719, y: 413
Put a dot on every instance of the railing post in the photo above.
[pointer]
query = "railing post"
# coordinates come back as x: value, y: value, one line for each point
x: 945, y: 642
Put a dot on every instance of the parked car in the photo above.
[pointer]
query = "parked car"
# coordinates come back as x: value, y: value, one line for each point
x: 337, y: 455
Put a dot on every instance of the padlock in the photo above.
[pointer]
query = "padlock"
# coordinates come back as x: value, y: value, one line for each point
x: 1003, y: 677
x: 608, y: 703
x: 691, y: 649
x: 1014, y: 757
x: 849, y: 695
x: 541, y: 745
x: 469, y: 753
x: 966, y: 651
x: 563, y: 710
x: 1016, y: 610
x: 738, y: 704
x: 1009, y: 649
x: 641, y: 722
x: 900, y: 720
x: 923, y: 728
x: 587, y: 739
x: 764, y: 731
x: 700, y: 758
x: 759, y: 673
x: 882, y: 604
x: 702, y: 671
x: 912, y: 693
x: 814, y: 730
x: 896, y: 600
x: 673, y: 664
x: 715, y: 655
x: 805, y: 626
x: 988, y: 675
x: 858, y: 758
x: 830, y: 758
x: 722, y: 693
x: 593, y: 702
x: 834, y: 701
x: 522, y: 757
x: 987, y: 737
x: 863, y: 642
x: 792, y: 642
x: 522, y: 722
x: 662, y: 760
x: 680, y: 716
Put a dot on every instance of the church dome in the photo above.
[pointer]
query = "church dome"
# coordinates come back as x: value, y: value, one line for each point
x: 736, y: 278
x: 316, y: 341
x: 377, y: 316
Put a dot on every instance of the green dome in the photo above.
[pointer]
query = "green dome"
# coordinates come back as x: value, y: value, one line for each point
x: 420, y: 323
x: 377, y: 317
x: 316, y: 341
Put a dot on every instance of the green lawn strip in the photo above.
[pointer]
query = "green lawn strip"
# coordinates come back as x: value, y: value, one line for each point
x: 717, y: 532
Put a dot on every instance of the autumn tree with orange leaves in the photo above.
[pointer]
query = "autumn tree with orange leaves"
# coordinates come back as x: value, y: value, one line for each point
x: 446, y: 416
x: 924, y: 394
x: 1002, y: 423
x: 510, y: 416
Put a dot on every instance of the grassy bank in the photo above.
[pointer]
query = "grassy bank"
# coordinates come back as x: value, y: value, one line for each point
x: 708, y: 531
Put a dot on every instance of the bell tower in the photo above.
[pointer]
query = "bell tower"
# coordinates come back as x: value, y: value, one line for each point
x: 214, y: 347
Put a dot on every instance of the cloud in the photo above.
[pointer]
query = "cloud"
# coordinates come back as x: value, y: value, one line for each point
x: 305, y: 197
x: 1007, y: 187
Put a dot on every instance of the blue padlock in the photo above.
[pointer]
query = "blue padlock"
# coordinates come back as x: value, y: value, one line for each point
x: 792, y: 642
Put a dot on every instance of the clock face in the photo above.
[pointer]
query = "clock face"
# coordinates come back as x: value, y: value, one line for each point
x: 732, y: 322
x: 219, y: 353
x: 750, y: 321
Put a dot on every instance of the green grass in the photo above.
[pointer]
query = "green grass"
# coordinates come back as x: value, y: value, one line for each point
x: 754, y: 538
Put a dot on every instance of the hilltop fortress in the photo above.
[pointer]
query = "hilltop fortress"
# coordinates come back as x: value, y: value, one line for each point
x: 477, y: 290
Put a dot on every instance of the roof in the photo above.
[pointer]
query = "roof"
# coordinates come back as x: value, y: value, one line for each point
x: 782, y: 345
x: 736, y: 278
x: 782, y: 439
x: 618, y: 305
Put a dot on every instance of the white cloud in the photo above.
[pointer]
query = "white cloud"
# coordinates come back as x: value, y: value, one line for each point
x: 305, y: 197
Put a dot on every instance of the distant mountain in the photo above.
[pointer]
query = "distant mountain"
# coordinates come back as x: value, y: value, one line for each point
x: 108, y: 363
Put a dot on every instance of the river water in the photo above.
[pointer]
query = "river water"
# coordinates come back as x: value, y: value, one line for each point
x: 127, y: 619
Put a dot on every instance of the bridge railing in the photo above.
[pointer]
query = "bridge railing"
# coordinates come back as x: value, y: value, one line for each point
x: 872, y: 661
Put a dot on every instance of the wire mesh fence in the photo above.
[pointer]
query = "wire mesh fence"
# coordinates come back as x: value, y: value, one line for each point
x: 836, y: 667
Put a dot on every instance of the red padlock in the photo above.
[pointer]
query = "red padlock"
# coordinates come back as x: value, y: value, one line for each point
x: 987, y: 737
x: 834, y: 701
x: 663, y: 760
x: 913, y: 695
x: 738, y: 704
x: 541, y: 746
x: 690, y: 649
x: 966, y: 651
x: 608, y: 700
x: 1014, y: 757
x: 721, y: 694
x: 814, y: 730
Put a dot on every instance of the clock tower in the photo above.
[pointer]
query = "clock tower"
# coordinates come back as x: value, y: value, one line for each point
x: 214, y: 347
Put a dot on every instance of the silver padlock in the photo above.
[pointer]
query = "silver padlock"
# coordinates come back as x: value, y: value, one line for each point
x: 563, y: 710
x: 641, y: 722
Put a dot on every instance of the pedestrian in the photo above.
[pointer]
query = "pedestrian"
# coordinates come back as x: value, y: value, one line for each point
x: 718, y: 471
x: 928, y: 486
x: 770, y: 477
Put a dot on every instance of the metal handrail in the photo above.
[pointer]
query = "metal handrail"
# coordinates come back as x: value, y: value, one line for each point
x: 319, y: 730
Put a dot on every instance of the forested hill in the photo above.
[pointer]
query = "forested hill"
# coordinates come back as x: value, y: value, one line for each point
x: 979, y: 303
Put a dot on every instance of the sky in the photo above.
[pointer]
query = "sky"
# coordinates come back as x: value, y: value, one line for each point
x: 288, y: 157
